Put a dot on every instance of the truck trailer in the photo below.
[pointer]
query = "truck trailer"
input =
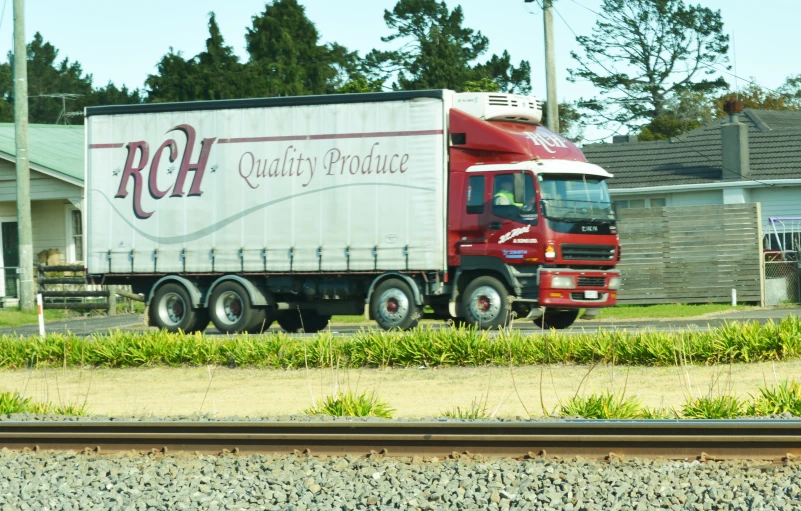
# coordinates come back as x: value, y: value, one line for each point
x: 293, y: 209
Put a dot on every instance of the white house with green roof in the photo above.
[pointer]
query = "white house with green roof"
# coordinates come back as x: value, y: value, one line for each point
x: 56, y: 156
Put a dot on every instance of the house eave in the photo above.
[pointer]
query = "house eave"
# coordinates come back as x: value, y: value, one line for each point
x: 644, y: 190
x: 44, y: 170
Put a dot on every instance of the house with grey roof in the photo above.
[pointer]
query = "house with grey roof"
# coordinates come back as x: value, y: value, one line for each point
x: 753, y: 156
x: 56, y: 155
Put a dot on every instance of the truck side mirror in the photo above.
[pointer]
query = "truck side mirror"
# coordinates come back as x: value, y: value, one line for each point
x: 520, y: 188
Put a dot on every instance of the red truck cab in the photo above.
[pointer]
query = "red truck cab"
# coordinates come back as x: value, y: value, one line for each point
x: 527, y: 206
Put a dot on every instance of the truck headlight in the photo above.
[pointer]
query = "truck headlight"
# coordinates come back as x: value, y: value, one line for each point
x: 614, y: 283
x: 563, y: 282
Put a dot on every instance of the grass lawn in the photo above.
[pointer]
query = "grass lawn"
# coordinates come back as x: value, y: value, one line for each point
x: 15, y: 317
x: 669, y: 310
x: 664, y: 311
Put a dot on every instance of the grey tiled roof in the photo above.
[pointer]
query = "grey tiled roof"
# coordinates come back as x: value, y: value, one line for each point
x: 774, y: 139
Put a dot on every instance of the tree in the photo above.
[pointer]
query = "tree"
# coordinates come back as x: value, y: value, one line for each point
x: 287, y: 58
x: 786, y: 97
x: 643, y: 54
x: 48, y: 78
x: 437, y: 52
x: 215, y: 73
x: 683, y: 112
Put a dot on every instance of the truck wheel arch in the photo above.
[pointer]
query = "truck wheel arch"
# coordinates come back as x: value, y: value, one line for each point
x: 418, y: 297
x: 195, y: 293
x: 258, y: 297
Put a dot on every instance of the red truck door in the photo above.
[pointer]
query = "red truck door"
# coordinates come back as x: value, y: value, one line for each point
x: 511, y: 226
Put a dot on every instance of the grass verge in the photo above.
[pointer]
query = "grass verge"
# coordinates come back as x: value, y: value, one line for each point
x: 15, y: 317
x: 732, y: 343
x: 666, y: 311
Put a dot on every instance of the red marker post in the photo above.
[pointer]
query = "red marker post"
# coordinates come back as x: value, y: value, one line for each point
x: 41, y: 315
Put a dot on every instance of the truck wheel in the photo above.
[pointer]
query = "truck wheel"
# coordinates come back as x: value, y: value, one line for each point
x: 485, y: 303
x: 557, y: 319
x: 230, y: 309
x: 262, y: 319
x: 172, y: 310
x: 392, y: 305
x: 307, y: 321
x: 201, y: 321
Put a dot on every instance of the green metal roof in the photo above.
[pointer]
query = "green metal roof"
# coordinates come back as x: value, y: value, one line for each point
x: 56, y: 149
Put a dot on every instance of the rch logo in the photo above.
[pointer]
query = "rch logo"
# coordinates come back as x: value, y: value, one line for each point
x: 132, y: 170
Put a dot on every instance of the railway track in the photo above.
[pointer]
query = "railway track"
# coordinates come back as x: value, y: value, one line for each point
x: 672, y: 439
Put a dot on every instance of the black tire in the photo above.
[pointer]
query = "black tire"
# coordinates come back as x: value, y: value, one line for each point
x: 300, y: 321
x: 201, y: 321
x: 262, y: 320
x: 392, y: 306
x: 557, y: 319
x: 230, y: 308
x: 485, y: 303
x: 171, y: 308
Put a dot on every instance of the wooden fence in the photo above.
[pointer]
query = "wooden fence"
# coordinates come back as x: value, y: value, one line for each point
x: 693, y: 254
x: 65, y: 287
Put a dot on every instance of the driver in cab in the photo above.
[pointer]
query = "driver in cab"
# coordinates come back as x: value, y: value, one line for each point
x: 504, y: 192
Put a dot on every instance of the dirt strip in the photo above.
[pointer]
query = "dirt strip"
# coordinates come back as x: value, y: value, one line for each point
x: 412, y: 392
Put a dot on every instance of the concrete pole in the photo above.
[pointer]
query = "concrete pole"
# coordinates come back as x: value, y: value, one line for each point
x: 26, y: 291
x: 552, y: 104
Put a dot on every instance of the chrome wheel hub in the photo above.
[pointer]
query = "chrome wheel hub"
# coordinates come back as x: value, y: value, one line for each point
x: 172, y: 309
x: 485, y: 304
x: 393, y: 306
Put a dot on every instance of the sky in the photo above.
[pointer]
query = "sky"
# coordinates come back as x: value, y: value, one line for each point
x: 123, y: 41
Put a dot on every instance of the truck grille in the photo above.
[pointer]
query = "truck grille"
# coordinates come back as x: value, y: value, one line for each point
x: 588, y: 252
x: 591, y: 281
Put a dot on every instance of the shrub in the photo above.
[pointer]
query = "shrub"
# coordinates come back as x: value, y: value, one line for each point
x: 476, y: 410
x: 350, y: 404
x: 13, y: 402
x: 782, y: 398
x: 603, y: 406
x: 734, y: 342
x: 659, y: 413
x: 713, y: 407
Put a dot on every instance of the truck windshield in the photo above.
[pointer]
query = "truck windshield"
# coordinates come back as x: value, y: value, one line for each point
x: 571, y: 197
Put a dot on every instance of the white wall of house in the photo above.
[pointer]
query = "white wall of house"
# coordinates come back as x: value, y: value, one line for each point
x: 43, y: 187
x: 693, y: 198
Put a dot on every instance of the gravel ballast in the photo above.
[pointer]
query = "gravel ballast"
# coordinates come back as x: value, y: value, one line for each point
x: 56, y: 481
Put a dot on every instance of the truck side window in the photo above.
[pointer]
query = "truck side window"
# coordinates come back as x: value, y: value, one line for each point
x: 503, y: 204
x: 475, y: 195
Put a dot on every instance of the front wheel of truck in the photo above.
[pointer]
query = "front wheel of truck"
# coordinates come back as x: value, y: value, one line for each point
x: 392, y: 306
x: 486, y: 303
x: 557, y: 319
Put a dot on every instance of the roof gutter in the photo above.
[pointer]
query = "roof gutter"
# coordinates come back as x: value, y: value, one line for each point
x: 705, y: 186
x: 45, y: 170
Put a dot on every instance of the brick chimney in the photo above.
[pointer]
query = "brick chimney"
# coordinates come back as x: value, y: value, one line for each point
x: 734, y: 138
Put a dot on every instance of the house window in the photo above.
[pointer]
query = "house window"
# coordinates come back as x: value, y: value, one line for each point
x: 76, y: 235
x: 660, y: 202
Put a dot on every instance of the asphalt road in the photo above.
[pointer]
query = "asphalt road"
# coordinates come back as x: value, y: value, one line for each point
x: 103, y: 324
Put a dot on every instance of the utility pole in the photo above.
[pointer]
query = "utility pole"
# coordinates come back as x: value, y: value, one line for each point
x: 552, y: 104
x: 24, y: 230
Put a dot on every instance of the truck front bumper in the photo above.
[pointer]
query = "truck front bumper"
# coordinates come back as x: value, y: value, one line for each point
x: 573, y: 289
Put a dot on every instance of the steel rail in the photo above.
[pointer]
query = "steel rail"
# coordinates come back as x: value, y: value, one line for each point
x: 671, y: 439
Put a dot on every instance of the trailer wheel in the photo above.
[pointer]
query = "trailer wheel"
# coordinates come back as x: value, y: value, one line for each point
x: 201, y: 321
x: 485, y: 303
x: 230, y: 309
x: 171, y: 309
x: 557, y: 319
x: 308, y: 321
x: 392, y: 305
x: 262, y: 320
